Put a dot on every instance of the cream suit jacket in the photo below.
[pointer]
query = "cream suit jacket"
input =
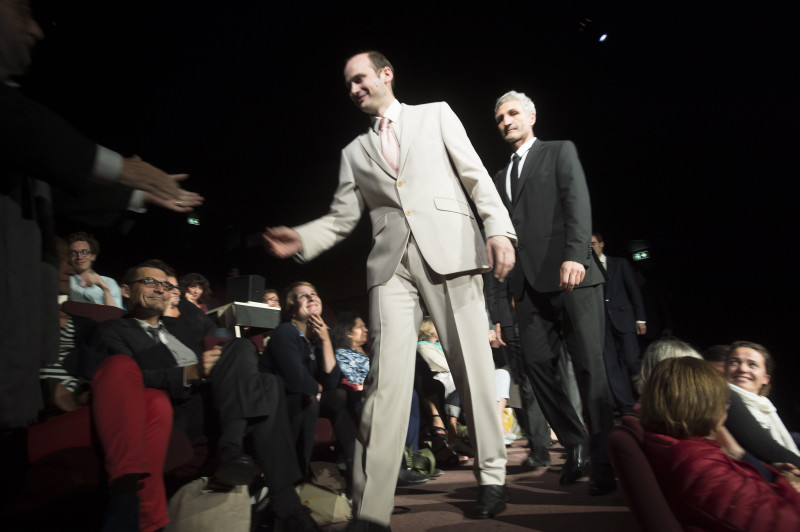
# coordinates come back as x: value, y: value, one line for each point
x: 425, y: 198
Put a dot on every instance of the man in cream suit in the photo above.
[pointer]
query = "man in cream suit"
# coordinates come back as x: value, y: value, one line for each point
x: 426, y: 246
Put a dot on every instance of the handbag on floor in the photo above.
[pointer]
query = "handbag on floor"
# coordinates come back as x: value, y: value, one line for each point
x: 193, y: 508
x: 327, y: 507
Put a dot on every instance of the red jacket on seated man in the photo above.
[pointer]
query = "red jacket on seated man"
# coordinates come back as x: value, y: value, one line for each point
x: 709, y: 490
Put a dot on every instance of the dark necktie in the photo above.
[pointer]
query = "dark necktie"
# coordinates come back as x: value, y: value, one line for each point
x: 154, y: 333
x: 514, y: 176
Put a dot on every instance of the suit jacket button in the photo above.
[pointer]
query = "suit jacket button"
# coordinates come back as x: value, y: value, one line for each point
x: 399, y: 183
x: 408, y: 213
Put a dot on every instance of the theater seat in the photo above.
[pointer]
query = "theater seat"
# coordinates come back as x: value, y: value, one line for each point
x: 93, y: 311
x: 639, y: 483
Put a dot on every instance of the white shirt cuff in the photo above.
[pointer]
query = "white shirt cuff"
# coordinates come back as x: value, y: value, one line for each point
x: 107, y: 164
x: 136, y: 202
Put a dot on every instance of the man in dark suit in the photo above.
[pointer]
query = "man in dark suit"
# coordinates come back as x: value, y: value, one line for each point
x: 625, y: 318
x: 557, y: 285
x: 38, y: 150
x: 219, y: 386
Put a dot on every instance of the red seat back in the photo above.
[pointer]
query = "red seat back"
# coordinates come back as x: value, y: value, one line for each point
x: 639, y: 483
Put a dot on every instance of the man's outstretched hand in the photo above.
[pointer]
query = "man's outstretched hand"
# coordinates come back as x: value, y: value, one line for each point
x: 160, y: 188
x: 282, y: 241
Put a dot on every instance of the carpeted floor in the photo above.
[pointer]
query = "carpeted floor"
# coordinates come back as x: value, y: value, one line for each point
x: 536, y: 502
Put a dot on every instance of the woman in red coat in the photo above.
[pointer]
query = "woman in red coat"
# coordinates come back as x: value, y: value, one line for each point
x: 684, y: 404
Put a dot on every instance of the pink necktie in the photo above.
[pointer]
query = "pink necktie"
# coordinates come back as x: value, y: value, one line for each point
x: 389, y: 146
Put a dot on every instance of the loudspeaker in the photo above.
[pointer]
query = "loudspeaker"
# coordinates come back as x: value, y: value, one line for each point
x: 245, y: 288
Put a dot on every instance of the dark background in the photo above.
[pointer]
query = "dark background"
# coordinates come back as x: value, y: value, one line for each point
x: 685, y: 119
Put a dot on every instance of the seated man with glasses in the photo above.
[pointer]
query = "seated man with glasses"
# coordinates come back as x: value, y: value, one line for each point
x: 218, y: 392
x: 86, y: 285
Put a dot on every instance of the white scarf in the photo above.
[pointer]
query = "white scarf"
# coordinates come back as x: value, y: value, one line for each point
x: 767, y: 416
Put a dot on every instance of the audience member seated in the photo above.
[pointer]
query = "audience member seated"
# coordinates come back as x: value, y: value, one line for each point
x: 172, y: 309
x: 86, y: 285
x: 62, y: 391
x: 271, y: 298
x: 429, y: 348
x: 300, y: 351
x: 752, y: 418
x: 659, y: 350
x: 683, y: 408
x: 196, y: 290
x: 215, y: 391
x: 350, y: 335
x: 192, y: 317
x: 717, y: 356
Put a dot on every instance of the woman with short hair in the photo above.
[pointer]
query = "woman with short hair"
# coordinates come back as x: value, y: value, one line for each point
x: 683, y: 407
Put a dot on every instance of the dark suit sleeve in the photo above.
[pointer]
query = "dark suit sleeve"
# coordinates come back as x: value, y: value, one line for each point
x: 286, y: 351
x: 754, y: 438
x: 36, y: 142
x: 634, y: 293
x: 574, y: 194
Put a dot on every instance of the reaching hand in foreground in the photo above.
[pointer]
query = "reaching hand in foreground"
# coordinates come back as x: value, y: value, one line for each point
x: 282, y: 241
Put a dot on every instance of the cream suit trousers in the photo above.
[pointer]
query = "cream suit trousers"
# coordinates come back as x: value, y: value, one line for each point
x: 456, y: 305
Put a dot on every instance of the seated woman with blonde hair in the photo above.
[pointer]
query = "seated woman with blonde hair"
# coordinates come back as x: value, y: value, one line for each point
x: 684, y: 405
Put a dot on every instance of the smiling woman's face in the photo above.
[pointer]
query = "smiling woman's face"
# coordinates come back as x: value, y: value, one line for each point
x: 747, y: 369
x: 307, y: 302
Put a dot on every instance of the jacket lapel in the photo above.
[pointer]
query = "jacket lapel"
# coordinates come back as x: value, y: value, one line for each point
x: 406, y: 134
x: 371, y: 147
x: 500, y: 183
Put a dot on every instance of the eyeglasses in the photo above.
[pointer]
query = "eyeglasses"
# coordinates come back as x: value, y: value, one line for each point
x: 149, y: 282
x: 306, y: 297
x: 81, y: 252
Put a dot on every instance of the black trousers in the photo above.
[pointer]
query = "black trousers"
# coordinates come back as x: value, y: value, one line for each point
x: 248, y: 402
x: 304, y: 410
x: 552, y: 321
x: 621, y: 356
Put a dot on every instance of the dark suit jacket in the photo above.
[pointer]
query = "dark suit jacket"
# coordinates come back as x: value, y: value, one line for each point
x: 37, y: 149
x: 624, y: 304
x: 126, y: 337
x: 552, y: 217
x: 34, y: 145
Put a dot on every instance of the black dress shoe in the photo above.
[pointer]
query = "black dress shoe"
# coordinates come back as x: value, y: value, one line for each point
x: 408, y: 477
x: 491, y: 501
x: 238, y: 471
x: 572, y: 469
x: 364, y: 525
x: 537, y: 458
x: 601, y: 481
